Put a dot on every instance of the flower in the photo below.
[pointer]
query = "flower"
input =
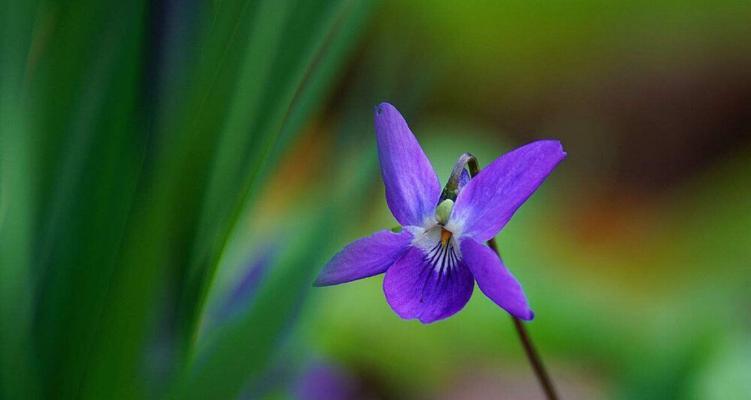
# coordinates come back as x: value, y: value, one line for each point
x: 432, y: 264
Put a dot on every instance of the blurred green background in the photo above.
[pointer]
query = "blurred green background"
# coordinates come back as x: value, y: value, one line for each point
x: 173, y: 175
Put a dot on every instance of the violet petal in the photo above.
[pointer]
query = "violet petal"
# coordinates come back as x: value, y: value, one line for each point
x: 494, y: 280
x: 464, y: 179
x: 412, y: 187
x: 489, y: 200
x: 415, y: 290
x: 365, y: 257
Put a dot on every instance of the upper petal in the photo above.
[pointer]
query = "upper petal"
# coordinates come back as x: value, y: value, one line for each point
x: 365, y: 257
x: 489, y: 200
x: 494, y: 279
x: 416, y: 289
x: 412, y: 187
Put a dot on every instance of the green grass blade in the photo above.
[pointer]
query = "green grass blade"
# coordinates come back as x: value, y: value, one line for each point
x: 17, y: 375
x: 86, y: 92
x: 257, y: 122
x: 248, y: 344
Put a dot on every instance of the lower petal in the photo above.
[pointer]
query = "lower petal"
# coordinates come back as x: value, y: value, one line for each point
x: 365, y: 257
x: 415, y: 289
x: 494, y: 279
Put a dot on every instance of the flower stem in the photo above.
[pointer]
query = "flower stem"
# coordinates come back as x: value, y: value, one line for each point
x: 473, y: 166
x: 529, y: 348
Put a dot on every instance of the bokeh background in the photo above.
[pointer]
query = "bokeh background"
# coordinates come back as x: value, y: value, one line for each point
x: 175, y: 173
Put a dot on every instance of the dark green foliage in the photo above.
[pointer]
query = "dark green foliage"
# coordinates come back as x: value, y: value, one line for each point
x: 133, y: 136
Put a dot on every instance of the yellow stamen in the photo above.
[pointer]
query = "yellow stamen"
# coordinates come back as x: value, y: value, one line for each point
x: 445, y: 236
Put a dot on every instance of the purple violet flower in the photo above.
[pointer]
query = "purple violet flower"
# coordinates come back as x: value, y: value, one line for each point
x: 431, y: 265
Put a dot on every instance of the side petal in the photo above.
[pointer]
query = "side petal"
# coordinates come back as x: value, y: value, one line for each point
x: 489, y: 200
x: 494, y: 279
x: 416, y: 290
x: 365, y: 257
x: 412, y: 187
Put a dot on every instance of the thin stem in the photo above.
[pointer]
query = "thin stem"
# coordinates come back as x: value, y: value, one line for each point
x: 473, y: 166
x: 529, y: 348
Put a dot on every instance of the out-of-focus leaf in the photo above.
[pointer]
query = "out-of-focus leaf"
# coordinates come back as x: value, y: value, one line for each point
x: 248, y: 343
x: 137, y: 189
x: 17, y: 172
x: 84, y: 77
x: 267, y: 99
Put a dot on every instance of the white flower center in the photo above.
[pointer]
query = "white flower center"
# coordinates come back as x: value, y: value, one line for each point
x: 440, y: 247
